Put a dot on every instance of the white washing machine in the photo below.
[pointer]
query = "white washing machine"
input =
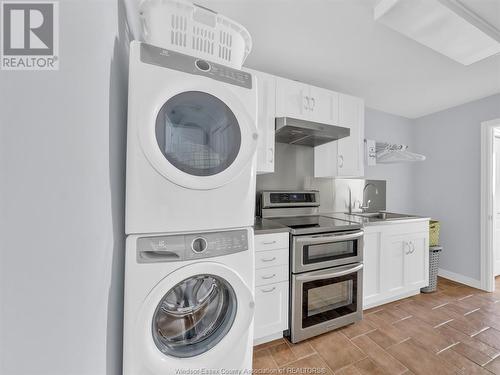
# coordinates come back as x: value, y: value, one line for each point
x: 188, y: 302
x: 191, y: 145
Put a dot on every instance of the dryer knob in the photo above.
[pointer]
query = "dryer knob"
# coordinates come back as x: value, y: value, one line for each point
x: 199, y: 245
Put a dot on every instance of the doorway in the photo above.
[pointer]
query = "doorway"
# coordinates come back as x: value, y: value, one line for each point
x: 496, y: 201
x: 490, y: 203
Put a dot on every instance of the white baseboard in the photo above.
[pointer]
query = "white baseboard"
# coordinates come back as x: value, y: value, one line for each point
x: 460, y: 278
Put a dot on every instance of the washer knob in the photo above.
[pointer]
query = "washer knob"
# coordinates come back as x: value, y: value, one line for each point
x: 202, y: 65
x: 199, y: 245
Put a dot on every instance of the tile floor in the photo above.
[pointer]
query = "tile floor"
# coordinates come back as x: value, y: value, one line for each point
x: 455, y: 330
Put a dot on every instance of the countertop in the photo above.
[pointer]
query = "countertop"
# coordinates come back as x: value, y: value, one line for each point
x: 266, y: 226
x: 369, y: 222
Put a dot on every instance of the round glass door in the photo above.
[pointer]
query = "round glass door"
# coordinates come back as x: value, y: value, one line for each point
x: 198, y: 133
x: 194, y: 316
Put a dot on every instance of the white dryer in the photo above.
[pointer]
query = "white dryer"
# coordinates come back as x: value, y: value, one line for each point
x: 191, y: 145
x: 188, y: 302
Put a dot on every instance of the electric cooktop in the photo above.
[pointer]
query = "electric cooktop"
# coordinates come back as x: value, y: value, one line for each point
x: 315, y: 224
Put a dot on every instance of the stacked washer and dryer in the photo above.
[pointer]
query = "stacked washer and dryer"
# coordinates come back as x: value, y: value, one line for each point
x: 192, y: 138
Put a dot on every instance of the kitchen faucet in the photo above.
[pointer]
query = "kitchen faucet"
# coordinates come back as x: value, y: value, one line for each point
x: 363, y: 207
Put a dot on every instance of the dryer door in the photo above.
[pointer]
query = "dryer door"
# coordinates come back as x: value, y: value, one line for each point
x: 202, y: 140
x: 195, y: 309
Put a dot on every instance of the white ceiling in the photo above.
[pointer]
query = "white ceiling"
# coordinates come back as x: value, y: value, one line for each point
x: 336, y: 44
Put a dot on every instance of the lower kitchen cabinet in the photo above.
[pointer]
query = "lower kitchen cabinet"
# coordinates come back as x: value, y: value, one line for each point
x: 272, y: 286
x: 396, y: 261
x: 271, y: 311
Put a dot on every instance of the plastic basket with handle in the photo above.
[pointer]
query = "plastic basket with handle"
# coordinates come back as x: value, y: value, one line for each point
x: 191, y: 29
x: 434, y: 226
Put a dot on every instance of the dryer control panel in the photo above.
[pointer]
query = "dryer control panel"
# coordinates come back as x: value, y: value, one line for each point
x: 184, y: 63
x: 190, y: 246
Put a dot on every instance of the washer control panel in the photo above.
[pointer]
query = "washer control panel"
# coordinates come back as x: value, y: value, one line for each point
x: 190, y: 246
x: 184, y: 63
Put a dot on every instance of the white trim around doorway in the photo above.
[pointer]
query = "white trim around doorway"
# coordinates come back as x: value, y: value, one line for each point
x: 488, y: 216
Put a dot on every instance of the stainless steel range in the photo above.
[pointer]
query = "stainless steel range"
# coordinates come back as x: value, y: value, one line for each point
x: 326, y: 263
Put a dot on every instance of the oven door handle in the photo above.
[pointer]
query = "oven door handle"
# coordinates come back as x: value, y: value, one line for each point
x: 306, y: 278
x: 329, y: 238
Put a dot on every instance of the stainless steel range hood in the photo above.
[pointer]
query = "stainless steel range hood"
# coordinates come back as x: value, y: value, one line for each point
x: 307, y: 133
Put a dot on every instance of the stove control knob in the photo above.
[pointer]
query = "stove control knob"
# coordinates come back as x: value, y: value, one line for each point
x: 199, y: 245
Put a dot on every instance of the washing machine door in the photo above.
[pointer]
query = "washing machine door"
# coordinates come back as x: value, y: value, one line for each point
x: 201, y: 139
x: 199, y: 308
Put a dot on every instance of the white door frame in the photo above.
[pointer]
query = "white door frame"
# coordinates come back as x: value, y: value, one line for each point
x: 488, y: 217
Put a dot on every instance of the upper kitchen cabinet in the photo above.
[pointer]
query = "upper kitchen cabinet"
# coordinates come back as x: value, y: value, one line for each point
x: 266, y: 116
x: 298, y: 100
x: 344, y: 158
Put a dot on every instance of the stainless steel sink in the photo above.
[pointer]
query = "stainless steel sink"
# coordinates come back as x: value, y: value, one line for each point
x: 376, y: 216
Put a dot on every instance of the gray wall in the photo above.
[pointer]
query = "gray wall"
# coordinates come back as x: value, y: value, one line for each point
x: 448, y: 183
x: 62, y: 154
x: 384, y: 127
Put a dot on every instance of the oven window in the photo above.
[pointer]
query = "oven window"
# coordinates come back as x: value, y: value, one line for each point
x: 329, y: 251
x: 328, y: 299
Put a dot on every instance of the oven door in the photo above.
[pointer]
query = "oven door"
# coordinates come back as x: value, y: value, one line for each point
x: 325, y: 300
x: 313, y: 252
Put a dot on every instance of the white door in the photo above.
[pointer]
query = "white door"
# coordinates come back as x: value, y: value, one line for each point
x: 324, y: 106
x: 416, y: 261
x: 271, y: 309
x: 350, y: 149
x: 266, y: 116
x: 371, y: 276
x: 497, y: 208
x: 292, y: 99
x: 392, y: 271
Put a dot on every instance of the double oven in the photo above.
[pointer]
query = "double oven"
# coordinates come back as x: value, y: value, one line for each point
x: 326, y: 263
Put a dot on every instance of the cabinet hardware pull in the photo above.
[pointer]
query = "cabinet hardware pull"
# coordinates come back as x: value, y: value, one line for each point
x: 268, y: 259
x: 269, y: 290
x: 269, y: 277
x: 313, y: 104
x: 407, y: 245
x: 341, y: 159
x: 269, y: 242
x: 271, y: 159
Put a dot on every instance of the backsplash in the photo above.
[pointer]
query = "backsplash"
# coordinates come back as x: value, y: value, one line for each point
x: 293, y: 164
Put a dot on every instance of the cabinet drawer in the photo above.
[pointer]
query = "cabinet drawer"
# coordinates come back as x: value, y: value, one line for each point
x: 271, y: 309
x: 271, y: 241
x: 271, y: 258
x: 271, y: 275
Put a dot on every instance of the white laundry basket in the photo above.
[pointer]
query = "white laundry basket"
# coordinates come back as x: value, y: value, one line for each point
x: 191, y: 29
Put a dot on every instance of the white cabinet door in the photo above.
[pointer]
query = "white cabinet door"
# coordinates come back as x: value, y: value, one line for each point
x: 324, y: 106
x: 417, y: 261
x: 344, y: 158
x: 271, y: 309
x: 326, y: 160
x: 266, y: 115
x: 392, y: 263
x: 371, y: 270
x: 350, y: 149
x: 292, y: 99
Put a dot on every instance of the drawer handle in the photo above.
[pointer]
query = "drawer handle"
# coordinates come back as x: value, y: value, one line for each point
x: 269, y: 243
x: 268, y: 290
x: 268, y: 259
x: 269, y: 277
